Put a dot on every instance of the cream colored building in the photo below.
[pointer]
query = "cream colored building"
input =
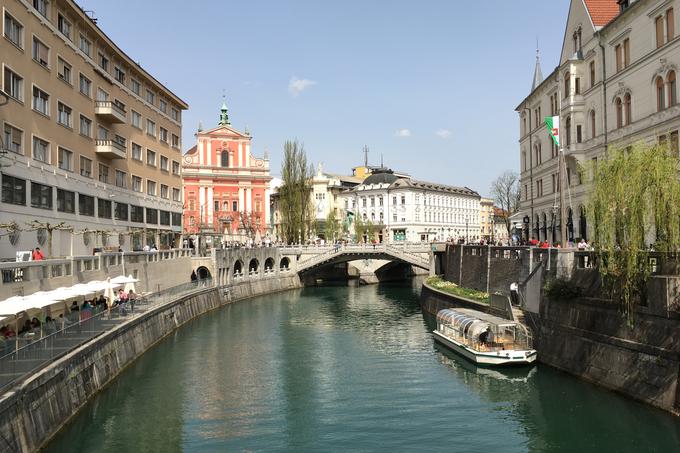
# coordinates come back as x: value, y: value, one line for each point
x: 486, y: 218
x: 615, y: 85
x: 91, y: 139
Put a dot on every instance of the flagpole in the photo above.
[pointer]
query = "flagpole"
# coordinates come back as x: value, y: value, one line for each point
x: 561, y: 163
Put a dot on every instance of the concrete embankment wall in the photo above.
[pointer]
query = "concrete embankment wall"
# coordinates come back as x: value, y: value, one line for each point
x: 432, y: 300
x: 34, y: 410
x: 591, y: 339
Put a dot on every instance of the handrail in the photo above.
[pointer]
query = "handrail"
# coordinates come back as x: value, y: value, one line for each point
x: 113, y: 105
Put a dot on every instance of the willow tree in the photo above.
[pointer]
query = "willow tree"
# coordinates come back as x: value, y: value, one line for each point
x: 635, y: 207
x: 332, y: 226
x: 295, y: 193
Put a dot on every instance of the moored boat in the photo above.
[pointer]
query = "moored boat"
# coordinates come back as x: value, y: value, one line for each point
x: 484, y: 339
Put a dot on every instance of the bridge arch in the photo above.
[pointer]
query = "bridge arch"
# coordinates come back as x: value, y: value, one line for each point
x: 238, y: 267
x: 269, y: 264
x: 203, y: 273
x: 254, y: 265
x: 285, y: 263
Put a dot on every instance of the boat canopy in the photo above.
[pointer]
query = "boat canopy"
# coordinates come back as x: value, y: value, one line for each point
x: 464, y: 323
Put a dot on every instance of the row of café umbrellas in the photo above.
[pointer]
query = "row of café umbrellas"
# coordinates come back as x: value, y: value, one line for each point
x: 41, y: 299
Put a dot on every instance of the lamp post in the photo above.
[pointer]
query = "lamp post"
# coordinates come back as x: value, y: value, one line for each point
x: 467, y: 236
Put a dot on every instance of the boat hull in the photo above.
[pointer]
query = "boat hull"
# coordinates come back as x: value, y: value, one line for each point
x: 496, y: 358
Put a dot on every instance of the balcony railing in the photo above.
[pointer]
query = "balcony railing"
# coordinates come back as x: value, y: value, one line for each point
x: 113, y: 149
x: 110, y: 111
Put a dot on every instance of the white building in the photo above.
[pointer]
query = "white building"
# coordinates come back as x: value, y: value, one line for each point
x: 404, y: 209
x: 615, y: 85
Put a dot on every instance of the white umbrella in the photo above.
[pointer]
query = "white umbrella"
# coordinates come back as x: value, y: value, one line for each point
x: 108, y: 292
x: 122, y: 279
x: 130, y: 285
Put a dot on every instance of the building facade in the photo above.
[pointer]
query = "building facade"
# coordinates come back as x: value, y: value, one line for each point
x: 226, y: 188
x: 486, y: 218
x: 91, y: 141
x: 403, y: 209
x: 615, y: 85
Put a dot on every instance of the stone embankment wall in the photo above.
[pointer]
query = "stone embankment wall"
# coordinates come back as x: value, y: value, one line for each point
x: 34, y: 410
x: 592, y: 340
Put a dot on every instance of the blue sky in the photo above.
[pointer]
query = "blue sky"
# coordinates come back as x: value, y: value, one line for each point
x: 430, y: 85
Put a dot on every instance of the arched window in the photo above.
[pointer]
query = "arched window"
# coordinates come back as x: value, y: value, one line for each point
x: 593, y: 131
x: 619, y: 113
x: 660, y: 98
x: 627, y: 104
x: 567, y: 84
x: 224, y: 158
x: 672, y: 98
x: 567, y: 130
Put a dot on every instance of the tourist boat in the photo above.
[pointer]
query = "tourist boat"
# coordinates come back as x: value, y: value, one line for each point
x: 484, y: 339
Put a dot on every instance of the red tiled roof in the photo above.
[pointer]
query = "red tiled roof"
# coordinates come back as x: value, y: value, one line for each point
x: 602, y: 11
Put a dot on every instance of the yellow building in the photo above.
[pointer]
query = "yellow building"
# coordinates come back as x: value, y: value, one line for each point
x: 92, y: 141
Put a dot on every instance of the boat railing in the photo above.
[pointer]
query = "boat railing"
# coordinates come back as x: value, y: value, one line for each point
x: 502, y: 341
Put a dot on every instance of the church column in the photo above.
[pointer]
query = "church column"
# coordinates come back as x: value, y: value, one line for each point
x: 249, y: 200
x: 241, y: 199
x: 208, y: 153
x: 210, y: 205
x: 200, y: 152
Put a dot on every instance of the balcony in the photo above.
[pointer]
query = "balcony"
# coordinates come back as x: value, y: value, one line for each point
x: 112, y: 149
x: 109, y: 111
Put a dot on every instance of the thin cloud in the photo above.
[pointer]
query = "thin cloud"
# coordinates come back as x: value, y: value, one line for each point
x: 403, y: 133
x: 297, y: 86
x: 443, y: 133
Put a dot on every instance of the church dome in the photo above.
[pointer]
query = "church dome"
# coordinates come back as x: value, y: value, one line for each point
x: 383, y: 177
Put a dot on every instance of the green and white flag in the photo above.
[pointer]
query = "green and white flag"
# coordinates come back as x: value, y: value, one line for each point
x: 553, y: 123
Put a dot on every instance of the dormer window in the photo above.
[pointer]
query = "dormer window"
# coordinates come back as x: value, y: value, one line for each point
x: 623, y: 4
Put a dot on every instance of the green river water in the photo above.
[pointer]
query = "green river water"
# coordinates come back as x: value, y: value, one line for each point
x: 347, y: 369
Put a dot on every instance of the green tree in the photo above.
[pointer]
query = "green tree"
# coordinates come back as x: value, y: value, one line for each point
x: 506, y: 194
x: 295, y: 193
x: 635, y: 205
x: 332, y: 226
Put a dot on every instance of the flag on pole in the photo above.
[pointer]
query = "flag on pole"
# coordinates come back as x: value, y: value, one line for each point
x: 553, y: 123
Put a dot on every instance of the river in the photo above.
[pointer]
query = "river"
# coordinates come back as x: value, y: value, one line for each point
x: 347, y: 369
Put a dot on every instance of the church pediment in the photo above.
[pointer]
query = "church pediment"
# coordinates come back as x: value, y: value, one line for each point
x: 224, y: 131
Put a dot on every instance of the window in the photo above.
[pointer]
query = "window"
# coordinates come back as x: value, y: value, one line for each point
x: 103, y: 208
x: 164, y: 134
x: 136, y: 120
x: 102, y: 95
x: 670, y: 25
x: 66, y: 201
x: 163, y: 106
x: 150, y: 157
x: 64, y: 26
x: 577, y: 85
x: 579, y: 135
x: 672, y: 91
x: 103, y: 61
x: 41, y: 150
x: 85, y: 46
x: 136, y: 214
x: 592, y: 74
x: 165, y: 166
x: 626, y: 52
x: 619, y: 57
x: 119, y: 75
x: 658, y: 22
x: 14, y: 85
x: 14, y: 31
x: 135, y: 86
x: 120, y: 211
x: 64, y: 70
x: 64, y: 114
x: 175, y: 167
x: 103, y: 173
x: 151, y: 187
x: 151, y: 215
x: 121, y: 179
x: 619, y: 113
x: 41, y: 7
x: 628, y: 108
x: 150, y: 97
x: 224, y: 158
x: 85, y: 126
x: 13, y: 190
x: 102, y: 133
x: 174, y: 114
x: 593, y: 131
x: 41, y: 53
x: 234, y: 206
x: 150, y: 128
x: 65, y: 159
x: 568, y: 130
x: 41, y: 101
x: 567, y: 84
x: 85, y: 86
x: 176, y: 218
x: 660, y: 95
x: 176, y: 197
x: 85, y: 205
x: 165, y: 193
x: 403, y: 199
x: 41, y: 196
x: 14, y: 139
x: 175, y: 141
x: 85, y: 167
x: 136, y: 184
